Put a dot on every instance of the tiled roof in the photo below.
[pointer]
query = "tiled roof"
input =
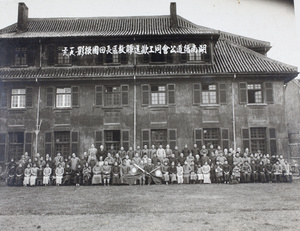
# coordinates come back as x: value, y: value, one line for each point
x: 105, y: 26
x: 229, y: 58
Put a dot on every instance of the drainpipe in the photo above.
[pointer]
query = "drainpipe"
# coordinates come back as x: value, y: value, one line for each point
x: 134, y: 101
x: 233, y: 112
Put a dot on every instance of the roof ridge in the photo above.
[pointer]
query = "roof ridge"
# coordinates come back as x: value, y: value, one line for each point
x: 258, y: 54
x: 245, y: 37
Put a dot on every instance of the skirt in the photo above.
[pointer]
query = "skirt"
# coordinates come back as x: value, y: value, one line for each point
x: 32, y: 180
x: 59, y: 179
x: 97, y: 179
x: 166, y: 177
x: 206, y: 178
x: 173, y: 177
x: 26, y: 180
x: 46, y: 179
x: 200, y: 176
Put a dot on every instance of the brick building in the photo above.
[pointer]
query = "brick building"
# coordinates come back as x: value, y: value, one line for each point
x: 126, y: 81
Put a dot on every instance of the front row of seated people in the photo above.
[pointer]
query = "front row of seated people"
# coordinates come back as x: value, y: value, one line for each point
x: 181, y: 172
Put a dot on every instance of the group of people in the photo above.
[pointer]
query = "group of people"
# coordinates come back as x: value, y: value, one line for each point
x: 161, y: 165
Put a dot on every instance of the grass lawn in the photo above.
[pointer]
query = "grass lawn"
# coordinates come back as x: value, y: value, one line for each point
x: 156, y: 207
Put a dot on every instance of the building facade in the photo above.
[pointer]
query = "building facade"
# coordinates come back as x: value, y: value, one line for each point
x: 67, y: 83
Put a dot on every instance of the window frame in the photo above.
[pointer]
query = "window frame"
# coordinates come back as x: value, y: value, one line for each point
x: 20, y: 61
x: 216, y: 91
x: 19, y: 96
x: 64, y: 97
x: 159, y: 96
x: 66, y: 60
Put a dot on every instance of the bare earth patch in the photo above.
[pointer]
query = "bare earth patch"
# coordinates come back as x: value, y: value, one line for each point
x: 157, y: 207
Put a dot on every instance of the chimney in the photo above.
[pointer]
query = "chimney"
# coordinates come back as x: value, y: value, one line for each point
x: 173, y: 16
x: 22, y: 17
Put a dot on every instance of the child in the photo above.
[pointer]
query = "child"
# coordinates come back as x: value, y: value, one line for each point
x: 165, y: 171
x: 86, y: 174
x: 47, y: 173
x: 193, y: 177
x: 186, y: 173
x: 173, y: 172
x: 200, y: 174
x: 236, y: 173
x: 106, y: 170
x: 179, y: 174
x: 59, y: 172
x: 219, y: 172
x: 226, y: 171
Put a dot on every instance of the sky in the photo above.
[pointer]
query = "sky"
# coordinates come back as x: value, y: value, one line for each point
x: 274, y: 21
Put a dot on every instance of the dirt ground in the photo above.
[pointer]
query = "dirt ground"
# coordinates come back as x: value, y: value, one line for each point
x: 156, y: 207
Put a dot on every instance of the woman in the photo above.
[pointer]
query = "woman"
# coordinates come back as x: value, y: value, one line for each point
x: 78, y: 175
x: 47, y: 174
x: 59, y: 173
x: 33, y: 175
x: 97, y: 174
x: 27, y: 174
x: 19, y: 174
x: 68, y: 175
x: 206, y: 173
x: 87, y: 173
x: 115, y: 174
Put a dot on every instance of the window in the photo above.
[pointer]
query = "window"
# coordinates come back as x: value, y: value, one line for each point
x: 159, y: 137
x: 18, y: 98
x: 254, y: 93
x: 258, y: 139
x: 209, y: 93
x: 20, y: 56
x: 63, y: 97
x: 2, y: 146
x: 211, y: 136
x: 62, y: 59
x: 112, y: 138
x: 112, y: 96
x: 194, y: 56
x: 112, y: 58
x: 158, y: 95
x: 62, y: 143
x: 16, y: 145
x: 157, y: 58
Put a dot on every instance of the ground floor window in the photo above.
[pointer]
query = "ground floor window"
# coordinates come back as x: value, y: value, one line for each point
x: 16, y: 145
x: 258, y: 139
x: 62, y: 143
x: 159, y: 137
x: 211, y: 136
x: 112, y: 138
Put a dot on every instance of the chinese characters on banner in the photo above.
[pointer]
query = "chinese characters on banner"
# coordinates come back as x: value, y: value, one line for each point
x: 135, y: 49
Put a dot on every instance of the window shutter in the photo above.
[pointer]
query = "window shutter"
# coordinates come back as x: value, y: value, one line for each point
x: 29, y: 97
x: 198, y: 137
x: 269, y: 93
x: 75, y: 138
x: 49, y: 97
x: 145, y: 95
x: 28, y: 143
x: 3, y: 95
x: 125, y: 94
x: 75, y: 96
x: 172, y: 138
x: 196, y: 93
x: 125, y: 139
x: 243, y: 93
x: 171, y: 94
x: 146, y: 137
x: 48, y: 143
x: 99, y: 95
x: 246, y: 138
x: 98, y: 139
x: 222, y: 93
x: 51, y: 55
x: 225, y: 138
x: 2, y: 146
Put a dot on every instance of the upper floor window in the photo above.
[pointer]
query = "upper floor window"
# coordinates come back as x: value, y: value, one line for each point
x: 209, y: 93
x: 20, y: 56
x: 212, y: 93
x: 158, y: 95
x: 112, y: 58
x: 18, y: 98
x: 194, y: 56
x: 255, y: 93
x: 112, y: 96
x: 62, y: 59
x: 63, y: 97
